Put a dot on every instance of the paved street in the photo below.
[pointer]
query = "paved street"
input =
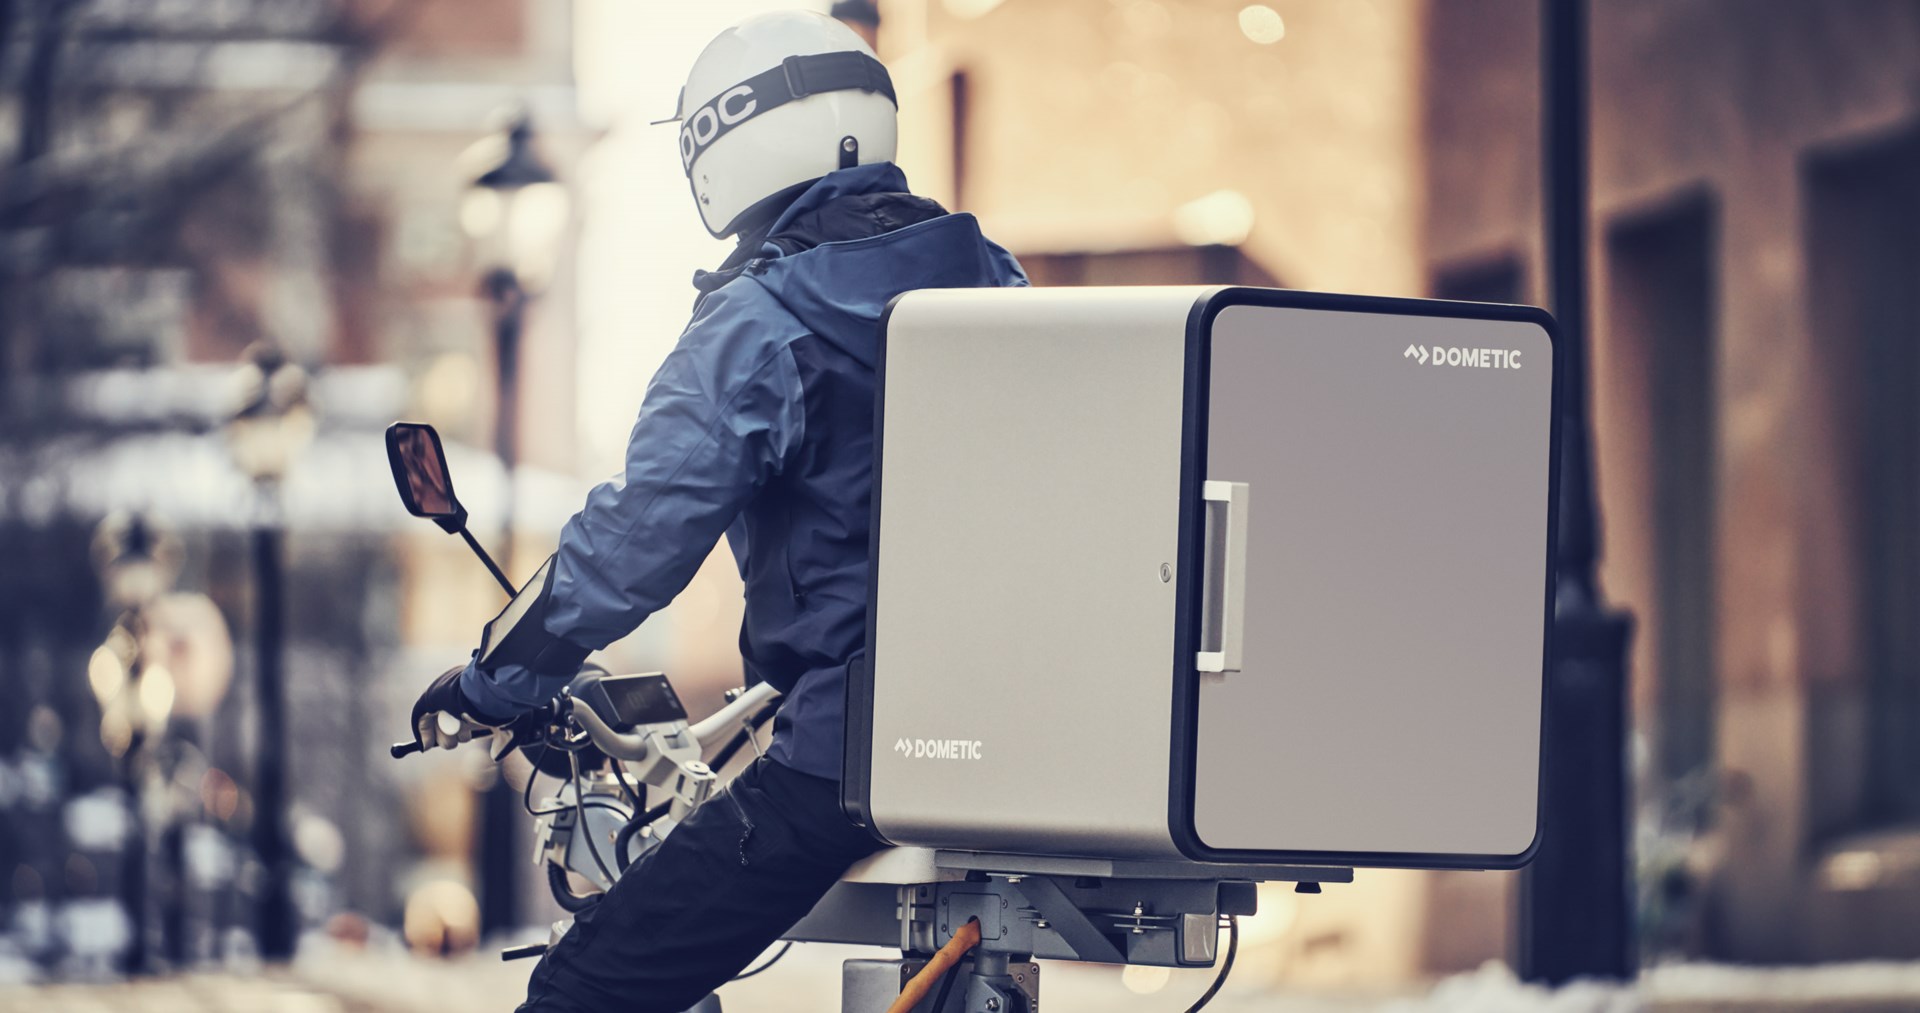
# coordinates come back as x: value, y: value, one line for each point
x: 808, y: 980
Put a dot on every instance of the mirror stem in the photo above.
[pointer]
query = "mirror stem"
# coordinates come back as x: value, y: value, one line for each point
x: 505, y: 584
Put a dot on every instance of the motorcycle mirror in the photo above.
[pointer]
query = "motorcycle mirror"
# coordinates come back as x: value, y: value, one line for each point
x: 420, y: 472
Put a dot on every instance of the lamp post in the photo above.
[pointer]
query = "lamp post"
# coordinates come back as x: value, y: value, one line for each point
x: 1574, y: 913
x: 515, y: 214
x: 136, y: 564
x: 273, y: 424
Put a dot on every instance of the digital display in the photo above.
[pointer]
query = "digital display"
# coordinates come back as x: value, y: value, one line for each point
x: 502, y: 626
x: 643, y: 699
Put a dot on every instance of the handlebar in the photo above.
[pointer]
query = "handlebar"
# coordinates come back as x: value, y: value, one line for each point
x: 741, y: 706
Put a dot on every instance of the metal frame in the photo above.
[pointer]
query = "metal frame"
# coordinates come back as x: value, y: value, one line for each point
x: 1153, y: 913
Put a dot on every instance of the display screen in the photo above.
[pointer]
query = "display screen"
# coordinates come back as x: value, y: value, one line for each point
x: 642, y: 699
x: 497, y: 631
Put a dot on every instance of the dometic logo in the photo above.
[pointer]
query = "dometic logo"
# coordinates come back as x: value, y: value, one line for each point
x: 1473, y: 358
x: 938, y: 749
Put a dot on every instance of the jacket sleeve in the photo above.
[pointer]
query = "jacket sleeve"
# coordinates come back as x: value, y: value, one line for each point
x: 719, y: 420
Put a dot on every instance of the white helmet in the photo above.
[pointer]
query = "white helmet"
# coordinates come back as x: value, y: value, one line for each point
x: 774, y: 103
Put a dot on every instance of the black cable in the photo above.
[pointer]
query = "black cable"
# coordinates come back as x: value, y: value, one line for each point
x: 775, y: 959
x: 1226, y: 965
x: 580, y: 819
x: 526, y: 793
x: 633, y: 793
x: 563, y: 894
x: 526, y: 790
x: 733, y: 746
x: 623, y: 845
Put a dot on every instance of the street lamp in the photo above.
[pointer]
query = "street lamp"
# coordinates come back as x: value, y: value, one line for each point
x: 1575, y: 917
x: 136, y: 563
x: 515, y: 213
x: 274, y: 421
x: 273, y: 424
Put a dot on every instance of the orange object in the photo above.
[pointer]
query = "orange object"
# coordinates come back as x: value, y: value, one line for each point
x: 921, y: 985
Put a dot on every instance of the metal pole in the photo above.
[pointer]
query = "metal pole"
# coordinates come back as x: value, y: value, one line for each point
x: 499, y: 854
x: 1574, y: 909
x: 133, y: 861
x: 173, y: 910
x: 274, y: 915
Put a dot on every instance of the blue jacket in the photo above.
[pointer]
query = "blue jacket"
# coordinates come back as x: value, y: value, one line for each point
x: 760, y: 425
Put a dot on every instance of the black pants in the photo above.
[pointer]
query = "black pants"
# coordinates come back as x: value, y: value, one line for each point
x: 692, y: 912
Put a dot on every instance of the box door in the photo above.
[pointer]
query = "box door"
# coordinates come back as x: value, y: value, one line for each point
x: 1376, y: 546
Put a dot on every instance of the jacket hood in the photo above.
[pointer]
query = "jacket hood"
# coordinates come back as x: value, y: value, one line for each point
x: 840, y: 289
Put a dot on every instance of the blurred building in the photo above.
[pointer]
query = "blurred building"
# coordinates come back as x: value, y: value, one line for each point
x: 1756, y: 187
x: 1756, y: 201
x: 182, y: 181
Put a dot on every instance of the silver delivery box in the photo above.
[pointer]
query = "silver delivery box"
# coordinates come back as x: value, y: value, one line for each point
x: 1228, y: 574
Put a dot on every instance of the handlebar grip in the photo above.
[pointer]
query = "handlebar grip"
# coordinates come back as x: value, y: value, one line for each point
x: 400, y: 749
x: 517, y: 952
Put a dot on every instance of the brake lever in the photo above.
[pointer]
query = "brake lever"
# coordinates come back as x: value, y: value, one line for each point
x: 504, y: 739
x: 517, y: 733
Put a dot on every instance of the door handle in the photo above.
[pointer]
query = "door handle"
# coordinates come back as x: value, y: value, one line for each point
x: 1223, y: 577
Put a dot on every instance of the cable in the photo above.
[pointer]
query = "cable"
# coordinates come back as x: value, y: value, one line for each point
x: 733, y: 745
x: 775, y: 959
x: 744, y: 735
x: 1226, y: 966
x: 623, y: 845
x: 526, y: 790
x: 526, y: 793
x: 580, y: 818
x: 563, y: 894
x: 919, y: 985
x: 633, y: 794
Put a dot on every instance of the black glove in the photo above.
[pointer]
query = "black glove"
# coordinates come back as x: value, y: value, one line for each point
x: 443, y: 696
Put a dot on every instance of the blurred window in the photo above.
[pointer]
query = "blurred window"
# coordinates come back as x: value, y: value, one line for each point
x: 1661, y: 324
x: 1863, y: 279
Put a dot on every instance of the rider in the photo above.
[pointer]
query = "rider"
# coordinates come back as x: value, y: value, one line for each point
x: 758, y: 425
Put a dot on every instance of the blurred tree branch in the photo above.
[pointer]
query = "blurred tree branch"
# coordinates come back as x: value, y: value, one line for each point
x: 43, y: 65
x: 142, y: 201
x: 196, y: 188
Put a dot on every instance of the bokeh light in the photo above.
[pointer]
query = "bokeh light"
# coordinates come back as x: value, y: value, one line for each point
x: 1262, y: 24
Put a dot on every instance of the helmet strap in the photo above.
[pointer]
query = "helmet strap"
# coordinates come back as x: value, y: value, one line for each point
x: 796, y: 77
x: 849, y: 151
